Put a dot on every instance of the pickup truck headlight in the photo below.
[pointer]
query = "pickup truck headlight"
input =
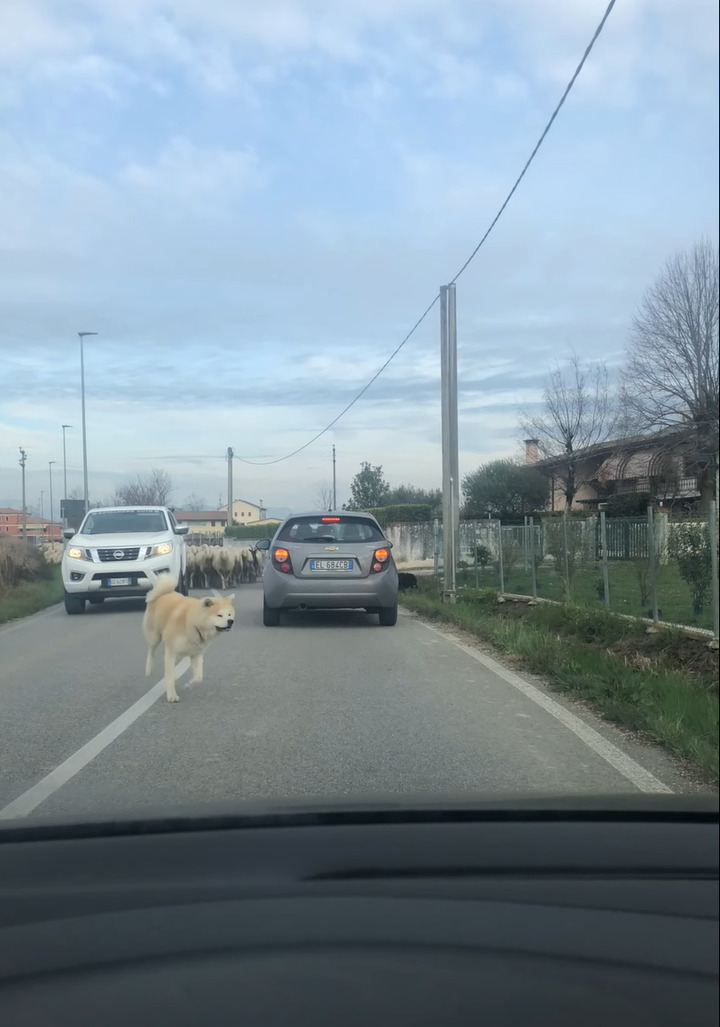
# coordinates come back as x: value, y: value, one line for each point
x: 162, y: 549
x: 75, y: 553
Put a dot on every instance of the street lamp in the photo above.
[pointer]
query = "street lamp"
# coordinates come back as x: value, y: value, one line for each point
x: 64, y: 428
x: 86, y: 493
x: 23, y: 461
x: 50, y: 467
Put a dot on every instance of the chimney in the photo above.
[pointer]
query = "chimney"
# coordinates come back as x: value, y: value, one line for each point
x: 531, y: 451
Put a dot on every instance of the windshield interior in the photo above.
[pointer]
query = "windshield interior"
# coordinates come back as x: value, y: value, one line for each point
x: 408, y: 310
x: 119, y: 522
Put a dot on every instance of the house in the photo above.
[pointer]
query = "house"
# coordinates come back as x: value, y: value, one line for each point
x: 203, y: 522
x: 244, y: 512
x: 657, y: 465
x: 36, y: 528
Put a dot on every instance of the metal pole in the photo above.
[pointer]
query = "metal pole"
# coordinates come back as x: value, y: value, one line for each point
x: 453, y: 543
x: 446, y: 467
x: 42, y: 505
x: 453, y: 408
x: 436, y: 546
x: 500, y: 558
x: 23, y: 459
x: 475, y: 549
x: 230, y: 456
x: 450, y: 470
x: 531, y: 529
x: 334, y: 506
x: 567, y: 557
x: 525, y: 542
x: 86, y: 491
x: 603, y: 543
x: 712, y: 518
x: 50, y: 467
x: 65, y: 495
x: 651, y: 558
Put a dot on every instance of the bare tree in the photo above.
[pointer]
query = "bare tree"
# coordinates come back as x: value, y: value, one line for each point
x: 195, y: 502
x: 671, y: 377
x: 324, y: 496
x: 151, y: 490
x: 579, y: 412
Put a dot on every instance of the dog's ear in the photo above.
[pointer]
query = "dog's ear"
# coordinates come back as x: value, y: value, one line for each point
x: 230, y: 597
x: 208, y: 601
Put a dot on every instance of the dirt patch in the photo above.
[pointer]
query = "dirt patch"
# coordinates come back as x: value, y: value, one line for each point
x: 662, y: 650
x: 670, y: 652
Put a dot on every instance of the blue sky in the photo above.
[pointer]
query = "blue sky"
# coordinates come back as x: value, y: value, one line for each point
x: 252, y: 203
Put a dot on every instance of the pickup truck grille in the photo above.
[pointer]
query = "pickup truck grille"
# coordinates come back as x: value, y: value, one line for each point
x: 116, y: 555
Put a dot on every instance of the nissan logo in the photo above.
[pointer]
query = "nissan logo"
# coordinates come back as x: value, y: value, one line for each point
x: 119, y: 553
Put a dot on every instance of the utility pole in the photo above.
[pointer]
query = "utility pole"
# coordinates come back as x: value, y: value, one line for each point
x: 230, y: 455
x: 50, y: 467
x: 450, y: 460
x: 64, y: 429
x: 42, y: 505
x: 23, y: 459
x: 86, y: 491
x: 334, y: 506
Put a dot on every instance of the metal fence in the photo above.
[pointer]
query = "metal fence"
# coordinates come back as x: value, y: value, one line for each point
x: 653, y: 567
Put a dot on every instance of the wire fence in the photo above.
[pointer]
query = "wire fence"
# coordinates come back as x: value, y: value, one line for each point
x: 653, y: 566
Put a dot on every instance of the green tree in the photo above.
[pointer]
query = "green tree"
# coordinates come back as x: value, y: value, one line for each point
x: 402, y: 495
x: 504, y: 489
x: 368, y: 488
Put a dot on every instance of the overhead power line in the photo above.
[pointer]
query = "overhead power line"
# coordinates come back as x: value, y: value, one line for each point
x: 506, y: 201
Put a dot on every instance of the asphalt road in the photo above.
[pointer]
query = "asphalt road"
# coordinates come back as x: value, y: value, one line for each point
x: 326, y: 705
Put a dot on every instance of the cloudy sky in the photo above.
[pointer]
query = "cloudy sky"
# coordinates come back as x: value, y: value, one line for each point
x: 252, y: 203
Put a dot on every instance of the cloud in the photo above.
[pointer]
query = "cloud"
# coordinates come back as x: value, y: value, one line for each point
x: 217, y: 44
x: 252, y: 204
x: 183, y: 172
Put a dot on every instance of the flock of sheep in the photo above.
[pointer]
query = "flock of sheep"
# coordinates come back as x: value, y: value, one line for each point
x: 223, y: 565
x: 207, y: 566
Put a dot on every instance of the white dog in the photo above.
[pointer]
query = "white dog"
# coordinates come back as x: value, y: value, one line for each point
x: 185, y: 627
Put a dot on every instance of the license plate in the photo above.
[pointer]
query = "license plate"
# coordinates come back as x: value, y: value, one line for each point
x: 331, y: 565
x: 118, y: 582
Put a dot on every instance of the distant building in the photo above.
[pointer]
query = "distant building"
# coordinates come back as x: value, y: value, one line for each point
x: 37, y: 528
x: 203, y: 522
x: 244, y: 512
x: 652, y: 464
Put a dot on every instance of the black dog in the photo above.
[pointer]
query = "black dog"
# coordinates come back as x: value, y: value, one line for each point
x: 406, y: 581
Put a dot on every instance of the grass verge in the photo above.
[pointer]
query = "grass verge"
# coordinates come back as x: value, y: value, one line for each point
x: 626, y: 594
x: 649, y: 683
x: 31, y: 596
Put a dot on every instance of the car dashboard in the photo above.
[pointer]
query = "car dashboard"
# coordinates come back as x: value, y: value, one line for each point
x: 498, y: 914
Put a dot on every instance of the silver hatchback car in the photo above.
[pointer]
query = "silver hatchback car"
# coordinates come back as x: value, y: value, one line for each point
x: 325, y: 561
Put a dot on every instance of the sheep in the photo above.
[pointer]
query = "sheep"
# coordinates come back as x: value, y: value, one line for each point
x: 223, y: 562
x: 225, y: 566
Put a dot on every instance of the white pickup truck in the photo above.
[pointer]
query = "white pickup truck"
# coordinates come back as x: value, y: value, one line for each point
x: 122, y: 551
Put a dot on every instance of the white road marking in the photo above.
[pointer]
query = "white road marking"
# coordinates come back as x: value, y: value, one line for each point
x: 63, y: 773
x: 630, y: 769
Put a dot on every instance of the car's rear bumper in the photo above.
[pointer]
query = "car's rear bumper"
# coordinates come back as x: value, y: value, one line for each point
x: 285, y: 592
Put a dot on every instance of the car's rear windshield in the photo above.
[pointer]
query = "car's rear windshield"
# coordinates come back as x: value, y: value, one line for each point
x: 330, y: 529
x: 112, y: 522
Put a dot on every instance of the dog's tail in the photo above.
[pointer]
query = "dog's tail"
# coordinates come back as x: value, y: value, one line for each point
x: 163, y: 587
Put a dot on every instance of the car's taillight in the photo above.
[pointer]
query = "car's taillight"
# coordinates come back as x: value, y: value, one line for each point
x: 380, y: 560
x: 281, y: 559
